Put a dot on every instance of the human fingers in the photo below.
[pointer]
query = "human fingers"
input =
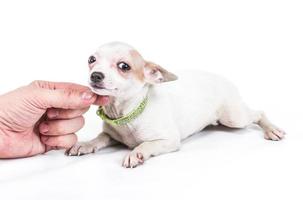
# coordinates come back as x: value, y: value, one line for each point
x: 58, y: 85
x: 66, y: 98
x: 61, y: 127
x: 100, y: 100
x: 59, y: 142
x: 57, y: 113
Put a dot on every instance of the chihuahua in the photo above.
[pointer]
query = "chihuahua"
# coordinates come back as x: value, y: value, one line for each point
x: 151, y: 112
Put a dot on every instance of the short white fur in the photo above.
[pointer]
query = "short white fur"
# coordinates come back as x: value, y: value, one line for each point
x: 175, y: 110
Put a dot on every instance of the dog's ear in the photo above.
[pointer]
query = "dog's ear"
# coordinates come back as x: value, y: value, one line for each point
x: 154, y: 73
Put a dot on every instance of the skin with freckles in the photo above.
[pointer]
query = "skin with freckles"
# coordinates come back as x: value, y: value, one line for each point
x: 43, y: 116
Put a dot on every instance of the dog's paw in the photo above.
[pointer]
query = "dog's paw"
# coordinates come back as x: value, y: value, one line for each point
x: 81, y: 148
x: 274, y: 133
x: 133, y: 159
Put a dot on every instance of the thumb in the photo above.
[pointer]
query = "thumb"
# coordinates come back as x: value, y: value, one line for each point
x: 69, y: 98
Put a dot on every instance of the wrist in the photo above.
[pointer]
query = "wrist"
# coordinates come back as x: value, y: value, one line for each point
x: 2, y: 137
x: 4, y: 145
x: 1, y: 143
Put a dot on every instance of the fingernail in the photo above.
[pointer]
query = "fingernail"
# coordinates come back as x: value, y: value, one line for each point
x: 44, y: 128
x: 53, y: 113
x: 87, y: 95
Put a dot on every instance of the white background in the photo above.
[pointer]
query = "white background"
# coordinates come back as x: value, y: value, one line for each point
x: 256, y: 44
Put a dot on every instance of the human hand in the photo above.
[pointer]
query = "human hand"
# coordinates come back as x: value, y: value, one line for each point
x: 43, y: 116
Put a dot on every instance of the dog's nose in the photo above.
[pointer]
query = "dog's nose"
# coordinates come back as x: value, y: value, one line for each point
x: 96, y: 77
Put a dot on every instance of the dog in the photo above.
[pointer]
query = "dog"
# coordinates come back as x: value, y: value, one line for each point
x: 151, y: 110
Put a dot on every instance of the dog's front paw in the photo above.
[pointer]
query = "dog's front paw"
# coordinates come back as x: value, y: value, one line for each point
x: 274, y: 133
x: 133, y: 159
x: 81, y: 148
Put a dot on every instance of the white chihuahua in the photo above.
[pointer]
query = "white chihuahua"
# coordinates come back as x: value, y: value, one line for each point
x: 151, y: 116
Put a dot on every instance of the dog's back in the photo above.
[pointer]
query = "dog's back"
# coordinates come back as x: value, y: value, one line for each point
x: 195, y: 99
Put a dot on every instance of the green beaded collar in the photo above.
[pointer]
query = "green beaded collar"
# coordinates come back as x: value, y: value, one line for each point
x: 125, y: 119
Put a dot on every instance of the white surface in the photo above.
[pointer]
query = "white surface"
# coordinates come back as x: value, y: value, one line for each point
x: 256, y: 44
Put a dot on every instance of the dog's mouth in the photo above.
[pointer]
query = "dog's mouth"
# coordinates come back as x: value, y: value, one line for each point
x: 96, y: 86
x: 101, y: 89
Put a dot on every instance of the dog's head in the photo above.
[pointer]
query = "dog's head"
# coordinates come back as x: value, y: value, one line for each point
x: 117, y: 69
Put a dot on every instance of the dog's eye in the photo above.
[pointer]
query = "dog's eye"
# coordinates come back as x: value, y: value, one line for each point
x: 123, y: 66
x: 91, y: 59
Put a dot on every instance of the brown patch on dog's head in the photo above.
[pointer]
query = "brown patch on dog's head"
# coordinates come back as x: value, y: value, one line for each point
x: 137, y: 65
x: 149, y: 72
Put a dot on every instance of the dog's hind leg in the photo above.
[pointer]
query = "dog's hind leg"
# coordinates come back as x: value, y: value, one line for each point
x: 272, y: 132
x: 238, y: 115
